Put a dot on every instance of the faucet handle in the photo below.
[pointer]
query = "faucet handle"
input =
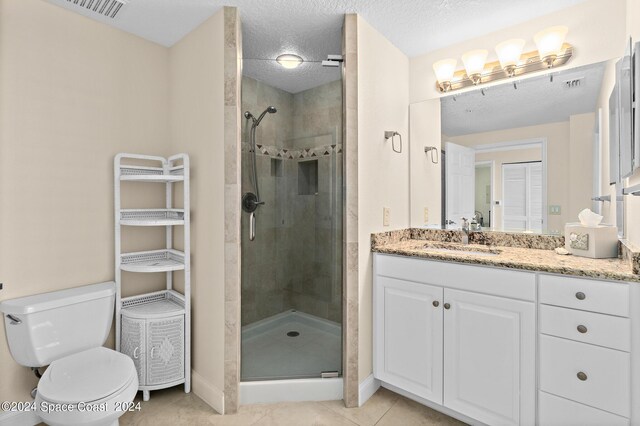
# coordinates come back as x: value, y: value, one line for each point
x: 465, y: 222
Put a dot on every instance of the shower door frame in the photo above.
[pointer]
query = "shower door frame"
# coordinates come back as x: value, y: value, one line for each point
x: 233, y: 214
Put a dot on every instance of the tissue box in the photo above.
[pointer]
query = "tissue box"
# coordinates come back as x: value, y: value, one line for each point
x: 597, y: 242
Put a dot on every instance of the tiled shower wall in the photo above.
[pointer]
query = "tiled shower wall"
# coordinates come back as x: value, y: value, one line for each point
x: 295, y: 261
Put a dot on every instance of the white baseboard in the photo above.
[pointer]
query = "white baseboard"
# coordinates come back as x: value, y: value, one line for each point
x: 291, y: 390
x: 367, y: 388
x: 207, y: 392
x: 19, y: 418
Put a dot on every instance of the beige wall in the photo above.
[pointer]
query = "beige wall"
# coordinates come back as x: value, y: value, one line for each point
x: 558, y: 137
x: 425, y: 176
x: 73, y: 93
x: 383, y: 179
x: 596, y: 30
x: 196, y: 72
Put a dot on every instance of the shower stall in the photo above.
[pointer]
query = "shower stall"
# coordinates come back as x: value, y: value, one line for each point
x: 292, y: 185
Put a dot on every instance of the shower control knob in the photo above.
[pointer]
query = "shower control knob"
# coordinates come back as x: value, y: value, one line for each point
x: 436, y: 303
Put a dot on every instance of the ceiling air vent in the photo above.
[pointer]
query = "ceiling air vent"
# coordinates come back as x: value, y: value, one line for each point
x: 573, y: 83
x: 107, y: 8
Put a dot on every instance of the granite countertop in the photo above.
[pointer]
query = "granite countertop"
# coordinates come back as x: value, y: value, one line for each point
x: 519, y: 255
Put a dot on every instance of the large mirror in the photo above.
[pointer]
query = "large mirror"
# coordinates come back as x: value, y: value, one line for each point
x: 522, y: 156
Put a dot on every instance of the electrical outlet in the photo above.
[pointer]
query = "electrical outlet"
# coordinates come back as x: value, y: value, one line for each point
x: 554, y: 210
x: 426, y: 215
x: 386, y: 216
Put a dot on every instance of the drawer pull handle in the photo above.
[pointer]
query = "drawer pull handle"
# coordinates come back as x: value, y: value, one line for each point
x: 582, y: 376
x: 580, y: 295
x: 135, y: 353
x: 436, y: 303
x: 447, y: 306
x: 582, y: 329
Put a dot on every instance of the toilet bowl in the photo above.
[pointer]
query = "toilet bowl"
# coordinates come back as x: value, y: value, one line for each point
x: 85, y: 383
x: 94, y: 387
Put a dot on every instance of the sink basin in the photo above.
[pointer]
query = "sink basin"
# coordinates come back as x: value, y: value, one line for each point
x: 462, y: 249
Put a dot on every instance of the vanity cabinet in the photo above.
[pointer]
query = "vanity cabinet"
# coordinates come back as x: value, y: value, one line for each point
x: 410, y: 322
x: 584, y: 343
x: 489, y: 345
x: 438, y: 337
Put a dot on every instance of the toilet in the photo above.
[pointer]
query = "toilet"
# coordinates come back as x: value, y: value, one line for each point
x: 85, y: 384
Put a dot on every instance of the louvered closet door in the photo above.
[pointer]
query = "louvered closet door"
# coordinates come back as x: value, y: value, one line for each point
x: 132, y: 343
x: 165, y: 356
x: 522, y: 194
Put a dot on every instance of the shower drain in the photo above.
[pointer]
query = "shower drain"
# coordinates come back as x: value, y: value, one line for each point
x: 293, y: 334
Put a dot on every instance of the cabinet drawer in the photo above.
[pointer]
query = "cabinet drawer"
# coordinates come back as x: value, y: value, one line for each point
x: 588, y: 295
x: 606, y: 381
x: 556, y: 411
x: 478, y: 279
x: 598, y: 329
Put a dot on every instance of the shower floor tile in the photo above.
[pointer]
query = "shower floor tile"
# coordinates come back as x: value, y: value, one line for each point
x: 269, y: 353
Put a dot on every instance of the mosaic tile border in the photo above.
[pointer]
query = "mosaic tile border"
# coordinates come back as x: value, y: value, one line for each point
x: 294, y: 154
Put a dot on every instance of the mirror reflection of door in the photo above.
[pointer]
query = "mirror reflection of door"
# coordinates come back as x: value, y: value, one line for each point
x: 484, y: 193
x: 522, y: 196
x: 460, y: 170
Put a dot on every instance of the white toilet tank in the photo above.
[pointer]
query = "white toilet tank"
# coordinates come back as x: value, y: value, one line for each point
x: 48, y: 326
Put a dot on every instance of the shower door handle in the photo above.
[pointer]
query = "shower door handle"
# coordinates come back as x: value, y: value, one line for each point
x: 252, y: 226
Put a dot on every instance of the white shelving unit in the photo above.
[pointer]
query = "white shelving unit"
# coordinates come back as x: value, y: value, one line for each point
x: 154, y: 329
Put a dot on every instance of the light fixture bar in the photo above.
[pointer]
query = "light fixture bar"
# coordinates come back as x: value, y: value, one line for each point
x: 529, y: 62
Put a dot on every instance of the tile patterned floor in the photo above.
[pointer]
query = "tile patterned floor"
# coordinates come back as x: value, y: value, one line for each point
x: 172, y: 407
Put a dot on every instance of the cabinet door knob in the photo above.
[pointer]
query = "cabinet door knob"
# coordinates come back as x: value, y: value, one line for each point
x: 582, y: 376
x: 436, y: 303
x: 580, y: 295
x: 447, y: 306
x: 582, y: 329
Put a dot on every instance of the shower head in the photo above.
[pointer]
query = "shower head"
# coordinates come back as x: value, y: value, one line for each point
x: 270, y: 110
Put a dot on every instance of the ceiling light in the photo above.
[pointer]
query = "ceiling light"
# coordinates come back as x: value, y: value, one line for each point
x: 509, y: 53
x: 289, y: 60
x: 474, y: 64
x: 444, y: 70
x: 549, y: 43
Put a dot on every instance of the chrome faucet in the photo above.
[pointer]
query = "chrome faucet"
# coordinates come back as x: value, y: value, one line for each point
x: 465, y: 230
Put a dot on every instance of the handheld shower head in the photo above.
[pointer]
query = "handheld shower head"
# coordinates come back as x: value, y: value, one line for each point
x: 270, y: 110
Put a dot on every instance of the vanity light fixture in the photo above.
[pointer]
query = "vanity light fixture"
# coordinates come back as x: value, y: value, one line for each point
x: 549, y: 43
x: 474, y: 61
x: 289, y: 60
x: 444, y: 70
x: 509, y: 53
x: 551, y: 51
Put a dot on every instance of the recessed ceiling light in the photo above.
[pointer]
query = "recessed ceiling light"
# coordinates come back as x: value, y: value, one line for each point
x: 289, y: 60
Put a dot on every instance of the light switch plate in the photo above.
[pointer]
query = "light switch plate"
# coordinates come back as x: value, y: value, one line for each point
x: 426, y: 215
x: 386, y: 216
x: 555, y: 210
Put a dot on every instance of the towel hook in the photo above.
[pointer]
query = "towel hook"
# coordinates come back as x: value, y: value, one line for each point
x: 390, y: 134
x: 434, y: 153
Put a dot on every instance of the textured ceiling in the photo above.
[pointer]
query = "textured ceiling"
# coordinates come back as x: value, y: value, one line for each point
x: 312, y: 28
x: 535, y: 101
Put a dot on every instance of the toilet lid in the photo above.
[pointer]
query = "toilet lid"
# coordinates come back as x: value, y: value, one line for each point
x: 86, y: 376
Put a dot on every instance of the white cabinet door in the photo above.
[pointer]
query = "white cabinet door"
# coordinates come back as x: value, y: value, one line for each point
x: 408, y: 336
x: 489, y: 358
